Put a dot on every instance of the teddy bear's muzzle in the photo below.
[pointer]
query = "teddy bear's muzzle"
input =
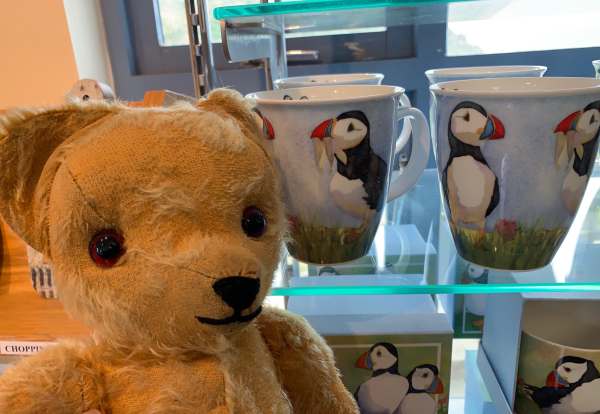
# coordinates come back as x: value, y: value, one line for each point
x: 239, y: 292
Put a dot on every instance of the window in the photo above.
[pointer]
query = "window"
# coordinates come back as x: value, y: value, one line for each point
x: 512, y: 26
x: 173, y: 26
x: 361, y: 39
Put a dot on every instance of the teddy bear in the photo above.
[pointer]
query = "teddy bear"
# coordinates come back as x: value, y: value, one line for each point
x: 165, y: 226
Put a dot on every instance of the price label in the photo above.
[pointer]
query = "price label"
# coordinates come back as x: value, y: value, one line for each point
x: 22, y: 348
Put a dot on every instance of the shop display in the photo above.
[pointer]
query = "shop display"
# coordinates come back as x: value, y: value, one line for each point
x: 165, y: 228
x: 334, y: 147
x: 514, y: 156
x: 482, y: 72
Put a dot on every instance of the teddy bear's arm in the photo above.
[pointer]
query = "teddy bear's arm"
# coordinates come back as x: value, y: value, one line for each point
x: 59, y: 379
x: 305, y: 364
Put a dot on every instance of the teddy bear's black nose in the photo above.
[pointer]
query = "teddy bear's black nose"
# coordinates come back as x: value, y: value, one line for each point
x: 237, y: 291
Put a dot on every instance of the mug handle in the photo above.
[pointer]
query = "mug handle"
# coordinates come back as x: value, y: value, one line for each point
x: 405, y: 134
x: 419, y: 154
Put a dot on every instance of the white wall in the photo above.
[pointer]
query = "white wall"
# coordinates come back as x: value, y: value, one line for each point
x: 86, y: 27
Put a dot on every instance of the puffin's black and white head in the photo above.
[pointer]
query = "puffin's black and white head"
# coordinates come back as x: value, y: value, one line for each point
x: 470, y: 123
x: 581, y: 126
x: 425, y: 378
x: 570, y: 371
x: 477, y: 274
x: 333, y: 136
x: 380, y: 358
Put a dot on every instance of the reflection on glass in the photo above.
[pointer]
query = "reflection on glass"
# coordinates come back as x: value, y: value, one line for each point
x: 524, y: 25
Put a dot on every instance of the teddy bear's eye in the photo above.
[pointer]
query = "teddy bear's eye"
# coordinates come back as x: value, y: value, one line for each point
x: 106, y: 247
x: 254, y: 222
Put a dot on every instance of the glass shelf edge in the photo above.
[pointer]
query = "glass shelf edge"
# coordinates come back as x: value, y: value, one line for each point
x: 317, y: 6
x: 435, y: 289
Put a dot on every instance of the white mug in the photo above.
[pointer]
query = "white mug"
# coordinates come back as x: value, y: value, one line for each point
x: 514, y: 157
x: 484, y: 72
x: 329, y: 80
x: 334, y: 147
x: 559, y: 357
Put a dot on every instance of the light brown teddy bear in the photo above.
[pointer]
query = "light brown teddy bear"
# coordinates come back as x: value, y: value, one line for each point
x: 165, y: 227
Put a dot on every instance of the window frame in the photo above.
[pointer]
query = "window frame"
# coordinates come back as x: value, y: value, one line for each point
x: 427, y: 47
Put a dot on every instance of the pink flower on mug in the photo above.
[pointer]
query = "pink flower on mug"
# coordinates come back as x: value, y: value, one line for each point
x: 507, y: 229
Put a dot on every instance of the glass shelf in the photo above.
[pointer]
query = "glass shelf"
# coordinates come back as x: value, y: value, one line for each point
x: 413, y: 253
x: 331, y: 15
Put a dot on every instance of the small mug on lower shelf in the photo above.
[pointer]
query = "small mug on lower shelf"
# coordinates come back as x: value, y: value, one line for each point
x: 559, y: 358
x: 41, y: 274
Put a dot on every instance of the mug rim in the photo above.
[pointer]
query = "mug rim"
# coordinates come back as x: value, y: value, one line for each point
x: 385, y: 91
x: 513, y: 87
x: 483, y: 70
x: 346, y: 76
x: 596, y: 62
x: 556, y: 344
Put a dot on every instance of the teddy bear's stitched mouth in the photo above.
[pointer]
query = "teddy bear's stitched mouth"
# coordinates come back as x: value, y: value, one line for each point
x: 235, y: 318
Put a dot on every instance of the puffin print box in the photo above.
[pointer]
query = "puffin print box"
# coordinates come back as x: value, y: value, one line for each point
x: 545, y: 351
x: 394, y: 353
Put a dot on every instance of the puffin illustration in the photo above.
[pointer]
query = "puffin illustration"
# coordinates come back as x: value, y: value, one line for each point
x: 475, y: 304
x: 383, y: 392
x: 264, y: 124
x: 424, y: 381
x: 573, y: 387
x: 576, y: 141
x: 359, y: 179
x: 470, y: 186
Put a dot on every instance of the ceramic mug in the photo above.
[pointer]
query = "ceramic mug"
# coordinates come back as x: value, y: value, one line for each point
x: 481, y: 72
x: 514, y: 157
x: 329, y: 80
x: 559, y: 358
x: 334, y: 147
x: 596, y: 64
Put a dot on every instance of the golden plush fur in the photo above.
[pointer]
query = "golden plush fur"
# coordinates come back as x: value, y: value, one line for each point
x: 174, y: 183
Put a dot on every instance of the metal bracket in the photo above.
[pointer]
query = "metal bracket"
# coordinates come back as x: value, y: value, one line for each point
x: 201, y: 55
x: 262, y: 39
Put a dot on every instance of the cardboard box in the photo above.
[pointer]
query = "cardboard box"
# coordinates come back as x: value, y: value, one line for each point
x: 406, y: 328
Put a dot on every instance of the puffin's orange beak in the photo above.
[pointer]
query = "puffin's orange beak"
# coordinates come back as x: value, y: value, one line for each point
x: 439, y: 388
x: 498, y: 128
x: 362, y: 361
x: 323, y: 129
x: 267, y: 126
x: 568, y: 124
x: 268, y: 129
x: 553, y: 381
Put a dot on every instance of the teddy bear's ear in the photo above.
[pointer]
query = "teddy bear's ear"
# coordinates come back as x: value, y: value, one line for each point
x: 28, y: 139
x: 230, y: 103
